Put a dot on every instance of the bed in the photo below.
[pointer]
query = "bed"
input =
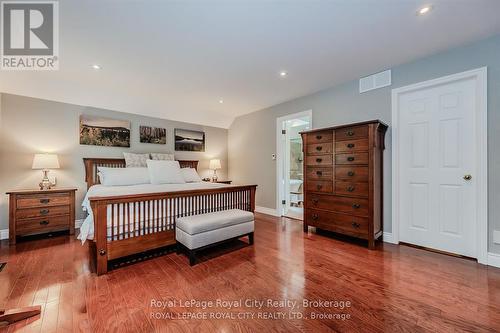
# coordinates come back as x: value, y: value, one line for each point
x: 127, y: 220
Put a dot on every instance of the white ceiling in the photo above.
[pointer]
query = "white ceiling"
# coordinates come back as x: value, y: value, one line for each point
x: 177, y: 59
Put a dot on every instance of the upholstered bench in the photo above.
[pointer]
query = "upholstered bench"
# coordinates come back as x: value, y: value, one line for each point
x: 197, y: 232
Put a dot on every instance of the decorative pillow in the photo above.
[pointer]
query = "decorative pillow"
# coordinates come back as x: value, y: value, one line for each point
x: 162, y: 157
x: 165, y: 172
x: 135, y: 160
x: 190, y: 175
x: 123, y: 176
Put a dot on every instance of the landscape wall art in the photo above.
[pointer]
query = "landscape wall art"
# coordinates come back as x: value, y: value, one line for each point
x: 150, y: 134
x: 188, y: 140
x: 99, y: 131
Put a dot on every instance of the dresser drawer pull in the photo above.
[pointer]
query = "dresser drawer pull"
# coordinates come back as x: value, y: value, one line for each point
x: 356, y: 205
x: 44, y: 201
x: 350, y: 173
x: 349, y: 133
x: 44, y: 222
x: 350, y: 188
x: 319, y: 148
x: 350, y: 145
x: 319, y: 186
x: 350, y: 158
x: 319, y: 173
x: 355, y: 225
x: 315, y: 201
x: 315, y: 217
x: 319, y: 160
x: 44, y: 211
x: 319, y: 137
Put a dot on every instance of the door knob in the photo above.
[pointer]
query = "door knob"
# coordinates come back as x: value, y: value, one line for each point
x: 468, y: 177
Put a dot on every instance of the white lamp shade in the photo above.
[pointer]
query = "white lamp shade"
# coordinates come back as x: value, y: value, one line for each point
x: 214, y: 165
x: 45, y: 161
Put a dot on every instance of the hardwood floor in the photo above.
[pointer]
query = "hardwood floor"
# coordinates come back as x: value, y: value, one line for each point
x: 391, y: 289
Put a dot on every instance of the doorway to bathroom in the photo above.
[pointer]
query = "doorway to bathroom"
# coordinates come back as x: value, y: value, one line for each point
x: 290, y: 198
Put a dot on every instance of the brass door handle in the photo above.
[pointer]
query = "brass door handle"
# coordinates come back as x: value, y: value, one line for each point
x: 468, y: 177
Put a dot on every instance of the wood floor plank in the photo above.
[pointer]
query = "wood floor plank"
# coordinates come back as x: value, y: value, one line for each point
x: 392, y: 289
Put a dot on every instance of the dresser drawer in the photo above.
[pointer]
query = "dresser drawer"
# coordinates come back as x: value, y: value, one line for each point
x: 356, y: 206
x: 319, y: 160
x: 349, y: 133
x: 352, y: 173
x: 42, y: 200
x: 319, y: 173
x: 343, y: 223
x: 42, y: 225
x: 319, y: 148
x: 42, y: 212
x: 351, y: 189
x: 319, y: 137
x: 352, y: 159
x: 351, y: 145
x: 320, y: 186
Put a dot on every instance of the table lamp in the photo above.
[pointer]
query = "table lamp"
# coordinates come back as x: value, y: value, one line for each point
x: 45, y: 162
x: 214, y: 165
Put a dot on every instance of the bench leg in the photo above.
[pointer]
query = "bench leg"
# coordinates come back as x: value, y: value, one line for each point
x: 250, y: 238
x: 192, y: 257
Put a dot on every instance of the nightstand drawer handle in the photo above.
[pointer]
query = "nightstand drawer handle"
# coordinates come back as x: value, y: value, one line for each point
x: 350, y: 188
x: 319, y: 148
x: 319, y: 173
x: 44, y: 201
x: 319, y: 186
x: 350, y: 145
x: 315, y: 217
x: 355, y: 225
x: 356, y: 205
x: 319, y: 160
x: 44, y: 211
x: 350, y: 173
x: 319, y: 137
x: 350, y: 158
x: 44, y: 222
x: 350, y: 133
x: 315, y: 201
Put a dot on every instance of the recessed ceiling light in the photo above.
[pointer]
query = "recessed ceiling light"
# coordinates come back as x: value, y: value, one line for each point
x: 96, y: 67
x: 283, y: 73
x: 221, y: 101
x: 424, y: 10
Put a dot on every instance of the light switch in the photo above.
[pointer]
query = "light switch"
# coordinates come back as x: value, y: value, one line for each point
x: 273, y: 156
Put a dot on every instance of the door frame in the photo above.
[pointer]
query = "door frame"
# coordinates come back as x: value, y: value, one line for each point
x: 480, y: 76
x: 279, y: 154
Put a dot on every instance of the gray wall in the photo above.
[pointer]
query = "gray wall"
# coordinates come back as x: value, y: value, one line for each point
x: 252, y: 137
x: 29, y: 126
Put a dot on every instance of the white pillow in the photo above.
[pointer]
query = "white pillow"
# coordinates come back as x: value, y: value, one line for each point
x: 162, y: 157
x: 135, y: 160
x: 190, y: 175
x: 123, y: 176
x: 165, y: 172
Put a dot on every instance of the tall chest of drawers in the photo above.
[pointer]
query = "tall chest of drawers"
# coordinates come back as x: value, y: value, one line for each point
x: 343, y: 182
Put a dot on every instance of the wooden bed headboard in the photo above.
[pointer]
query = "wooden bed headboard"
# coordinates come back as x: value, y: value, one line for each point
x: 91, y: 165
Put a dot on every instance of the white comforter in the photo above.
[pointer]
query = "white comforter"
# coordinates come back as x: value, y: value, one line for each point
x: 87, y: 228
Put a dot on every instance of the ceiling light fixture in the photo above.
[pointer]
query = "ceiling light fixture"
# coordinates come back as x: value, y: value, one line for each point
x: 283, y: 73
x: 96, y: 67
x: 221, y: 101
x: 424, y: 10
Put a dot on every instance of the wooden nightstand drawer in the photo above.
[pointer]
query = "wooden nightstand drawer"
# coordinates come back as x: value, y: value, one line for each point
x: 42, y: 200
x: 42, y: 212
x: 42, y: 225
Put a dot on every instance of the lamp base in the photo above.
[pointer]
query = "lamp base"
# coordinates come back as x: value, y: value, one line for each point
x: 45, y: 184
x: 214, y: 177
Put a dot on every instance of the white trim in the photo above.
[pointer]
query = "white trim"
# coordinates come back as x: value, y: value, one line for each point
x: 267, y: 211
x: 480, y: 75
x: 4, y: 234
x: 493, y: 259
x: 279, y: 157
x: 388, y: 237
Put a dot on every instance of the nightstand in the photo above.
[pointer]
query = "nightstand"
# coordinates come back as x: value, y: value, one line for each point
x: 33, y: 212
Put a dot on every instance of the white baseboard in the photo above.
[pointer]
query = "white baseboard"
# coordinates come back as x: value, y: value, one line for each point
x: 4, y: 234
x: 265, y: 210
x: 494, y: 259
x: 388, y: 238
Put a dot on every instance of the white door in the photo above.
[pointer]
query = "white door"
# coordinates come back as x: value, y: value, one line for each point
x: 437, y: 158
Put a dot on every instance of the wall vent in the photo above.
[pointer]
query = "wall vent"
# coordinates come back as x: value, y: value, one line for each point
x: 375, y: 81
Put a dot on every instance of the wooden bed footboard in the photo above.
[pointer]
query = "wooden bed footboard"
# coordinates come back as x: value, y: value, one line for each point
x: 131, y: 224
